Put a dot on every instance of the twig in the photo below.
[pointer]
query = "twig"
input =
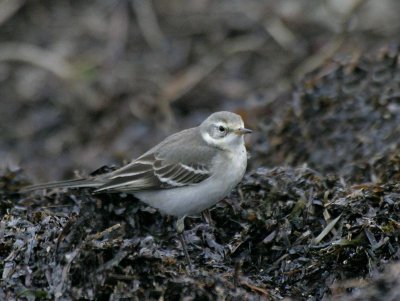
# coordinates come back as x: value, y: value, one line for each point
x: 282, y: 35
x: 53, y: 63
x: 255, y: 288
x: 182, y: 84
x: 8, y: 8
x: 38, y: 57
x: 326, y: 230
x: 118, y: 32
x: 326, y: 52
x: 194, y: 74
x: 331, y: 47
x: 188, y: 79
x: 147, y: 21
x: 107, y: 231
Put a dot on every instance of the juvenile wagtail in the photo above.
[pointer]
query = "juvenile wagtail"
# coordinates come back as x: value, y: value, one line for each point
x: 188, y: 172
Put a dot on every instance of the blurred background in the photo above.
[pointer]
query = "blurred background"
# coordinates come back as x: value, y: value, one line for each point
x: 89, y: 83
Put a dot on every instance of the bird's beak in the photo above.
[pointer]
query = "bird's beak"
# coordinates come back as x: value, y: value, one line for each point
x: 242, y: 131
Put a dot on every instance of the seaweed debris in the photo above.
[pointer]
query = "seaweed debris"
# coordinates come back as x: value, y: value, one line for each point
x: 283, y: 233
x: 343, y: 118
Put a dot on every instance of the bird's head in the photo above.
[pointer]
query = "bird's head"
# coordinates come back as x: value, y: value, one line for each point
x: 224, y: 130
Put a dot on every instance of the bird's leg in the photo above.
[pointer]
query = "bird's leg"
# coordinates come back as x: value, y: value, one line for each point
x: 207, y: 217
x: 180, y: 227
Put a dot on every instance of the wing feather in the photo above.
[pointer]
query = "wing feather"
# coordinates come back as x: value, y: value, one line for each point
x: 152, y: 172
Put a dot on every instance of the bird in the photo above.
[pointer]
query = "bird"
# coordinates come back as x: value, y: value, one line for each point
x: 185, y: 174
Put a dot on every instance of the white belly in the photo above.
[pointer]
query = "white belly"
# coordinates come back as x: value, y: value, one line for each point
x: 193, y: 199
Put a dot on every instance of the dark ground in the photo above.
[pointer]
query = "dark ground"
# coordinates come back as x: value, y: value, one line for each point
x: 86, y: 84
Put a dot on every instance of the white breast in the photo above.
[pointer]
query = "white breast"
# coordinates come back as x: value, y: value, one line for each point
x: 196, y: 198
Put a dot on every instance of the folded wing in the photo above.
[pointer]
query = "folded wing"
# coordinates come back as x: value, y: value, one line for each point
x: 153, y: 172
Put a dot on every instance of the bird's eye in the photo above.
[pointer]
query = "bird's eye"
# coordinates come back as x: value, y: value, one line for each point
x: 221, y: 129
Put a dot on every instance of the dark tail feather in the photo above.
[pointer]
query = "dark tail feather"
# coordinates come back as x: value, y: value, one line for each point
x: 79, y: 183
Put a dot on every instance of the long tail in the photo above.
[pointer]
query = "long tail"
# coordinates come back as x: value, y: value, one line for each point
x: 64, y: 184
